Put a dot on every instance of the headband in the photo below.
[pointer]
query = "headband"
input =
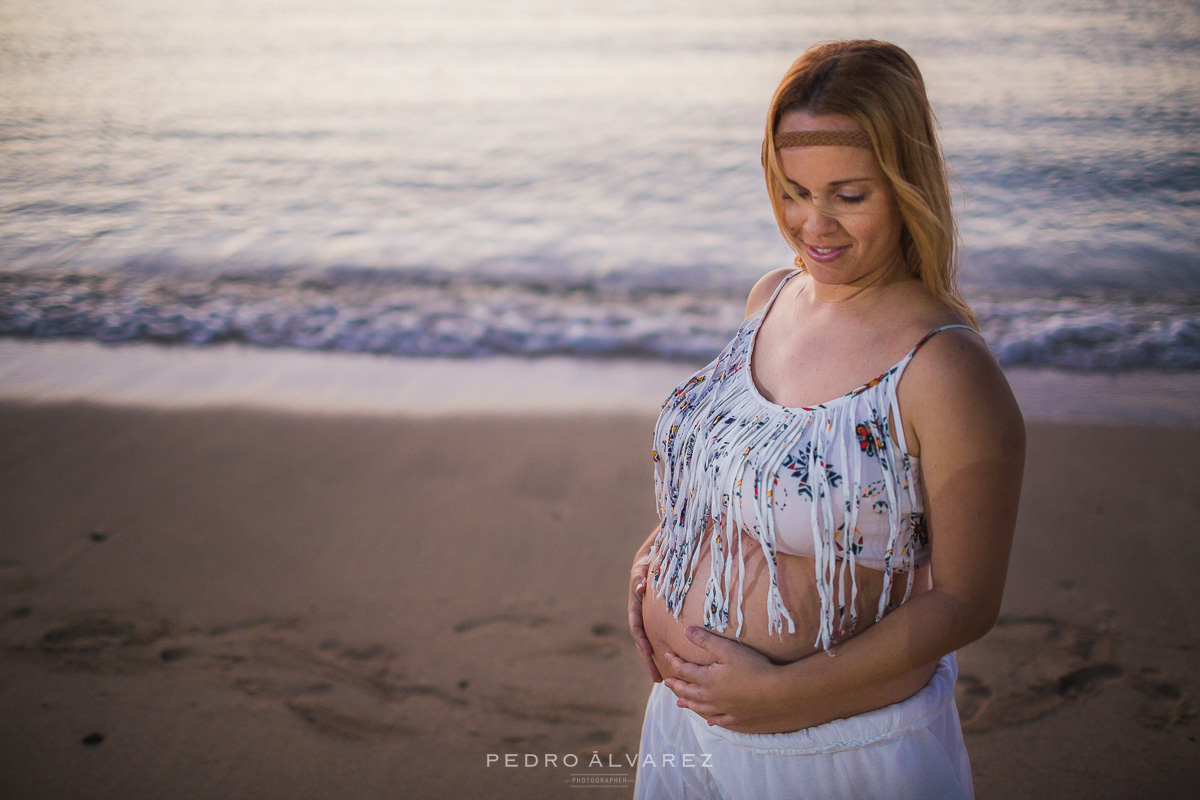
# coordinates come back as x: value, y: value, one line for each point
x: 814, y: 138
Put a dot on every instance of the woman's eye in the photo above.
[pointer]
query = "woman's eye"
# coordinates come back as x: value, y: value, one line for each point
x: 852, y: 198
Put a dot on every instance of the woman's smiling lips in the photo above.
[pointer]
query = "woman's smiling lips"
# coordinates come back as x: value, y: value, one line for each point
x: 824, y: 254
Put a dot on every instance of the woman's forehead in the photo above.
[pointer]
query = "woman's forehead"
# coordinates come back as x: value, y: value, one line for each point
x: 822, y: 165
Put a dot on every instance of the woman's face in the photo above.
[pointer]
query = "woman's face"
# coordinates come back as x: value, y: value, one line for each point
x: 845, y: 216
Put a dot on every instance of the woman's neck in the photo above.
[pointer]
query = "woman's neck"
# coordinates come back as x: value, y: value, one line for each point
x: 862, y: 290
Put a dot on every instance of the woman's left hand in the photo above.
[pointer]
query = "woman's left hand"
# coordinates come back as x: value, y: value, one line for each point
x: 735, y: 691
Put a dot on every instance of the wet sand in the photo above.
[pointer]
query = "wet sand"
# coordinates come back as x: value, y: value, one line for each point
x: 207, y: 602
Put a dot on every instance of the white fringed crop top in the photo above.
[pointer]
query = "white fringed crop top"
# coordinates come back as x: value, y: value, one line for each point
x: 794, y: 479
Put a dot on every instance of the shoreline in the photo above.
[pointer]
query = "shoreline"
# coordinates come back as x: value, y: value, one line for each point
x: 153, y: 376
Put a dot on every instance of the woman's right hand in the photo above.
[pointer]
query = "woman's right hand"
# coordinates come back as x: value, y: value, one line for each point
x: 637, y: 590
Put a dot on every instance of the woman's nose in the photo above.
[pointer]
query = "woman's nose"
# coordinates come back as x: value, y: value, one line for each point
x: 810, y: 221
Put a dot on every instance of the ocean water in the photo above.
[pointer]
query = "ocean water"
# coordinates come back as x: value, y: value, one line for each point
x: 465, y: 178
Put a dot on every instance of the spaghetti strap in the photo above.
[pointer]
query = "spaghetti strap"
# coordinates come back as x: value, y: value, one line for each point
x: 771, y: 300
x: 893, y: 398
x: 899, y: 368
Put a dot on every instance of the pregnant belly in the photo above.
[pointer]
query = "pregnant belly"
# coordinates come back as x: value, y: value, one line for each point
x: 797, y: 585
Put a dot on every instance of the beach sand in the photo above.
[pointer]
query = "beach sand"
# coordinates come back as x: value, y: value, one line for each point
x: 247, y: 603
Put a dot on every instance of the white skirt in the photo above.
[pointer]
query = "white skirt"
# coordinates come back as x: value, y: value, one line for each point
x: 912, y: 749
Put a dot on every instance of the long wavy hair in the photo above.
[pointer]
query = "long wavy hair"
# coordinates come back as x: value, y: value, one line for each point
x: 878, y: 86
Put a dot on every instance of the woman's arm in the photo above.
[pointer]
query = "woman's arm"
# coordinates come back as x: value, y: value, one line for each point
x: 971, y: 437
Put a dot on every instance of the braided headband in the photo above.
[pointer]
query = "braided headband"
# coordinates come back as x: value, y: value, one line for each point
x: 814, y: 138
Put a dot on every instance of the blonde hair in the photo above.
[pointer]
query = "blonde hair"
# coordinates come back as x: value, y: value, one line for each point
x: 878, y: 86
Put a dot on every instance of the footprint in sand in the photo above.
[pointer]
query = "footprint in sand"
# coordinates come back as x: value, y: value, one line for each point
x: 1028, y: 667
x: 104, y: 641
x: 528, y: 742
x: 255, y: 687
x: 1039, y: 665
x: 98, y: 633
x: 597, y: 737
x: 582, y: 726
x: 169, y: 654
x: 347, y: 691
x: 16, y: 577
x: 334, y: 722
x: 515, y: 617
x: 1164, y: 703
x: 508, y: 620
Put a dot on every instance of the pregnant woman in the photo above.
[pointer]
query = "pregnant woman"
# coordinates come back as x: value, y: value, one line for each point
x: 838, y: 489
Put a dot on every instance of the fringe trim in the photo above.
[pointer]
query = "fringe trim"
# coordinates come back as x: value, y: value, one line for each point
x: 715, y: 432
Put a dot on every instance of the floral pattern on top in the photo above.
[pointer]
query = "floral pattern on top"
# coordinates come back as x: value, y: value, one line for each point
x: 730, y: 462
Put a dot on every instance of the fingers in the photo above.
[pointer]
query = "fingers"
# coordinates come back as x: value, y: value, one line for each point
x: 645, y: 652
x: 706, y: 710
x: 715, y: 719
x: 685, y: 692
x: 641, y: 569
x: 692, y: 673
x: 694, y: 697
x: 655, y: 675
x: 638, y: 632
x: 636, y: 626
x: 704, y: 639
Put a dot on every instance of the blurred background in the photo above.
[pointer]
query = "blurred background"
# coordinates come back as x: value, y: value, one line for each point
x: 467, y: 178
x: 414, y: 207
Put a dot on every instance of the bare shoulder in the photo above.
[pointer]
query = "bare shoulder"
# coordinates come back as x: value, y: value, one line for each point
x: 955, y: 393
x: 764, y: 287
